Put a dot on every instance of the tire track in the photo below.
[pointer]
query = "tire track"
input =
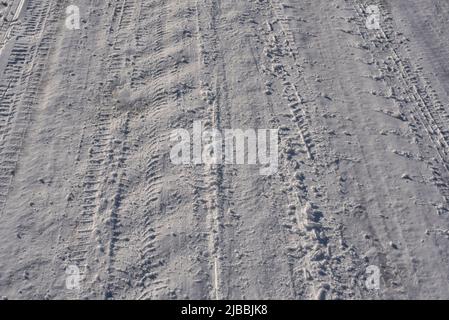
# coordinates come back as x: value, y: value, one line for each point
x: 20, y: 87
x: 428, y: 111
x: 315, y: 268
x: 154, y: 260
x: 94, y: 235
x: 7, y: 25
x: 205, y: 281
x: 151, y: 284
x: 393, y: 67
x: 213, y: 175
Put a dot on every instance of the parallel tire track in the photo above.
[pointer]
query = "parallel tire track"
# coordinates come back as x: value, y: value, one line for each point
x: 20, y: 87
